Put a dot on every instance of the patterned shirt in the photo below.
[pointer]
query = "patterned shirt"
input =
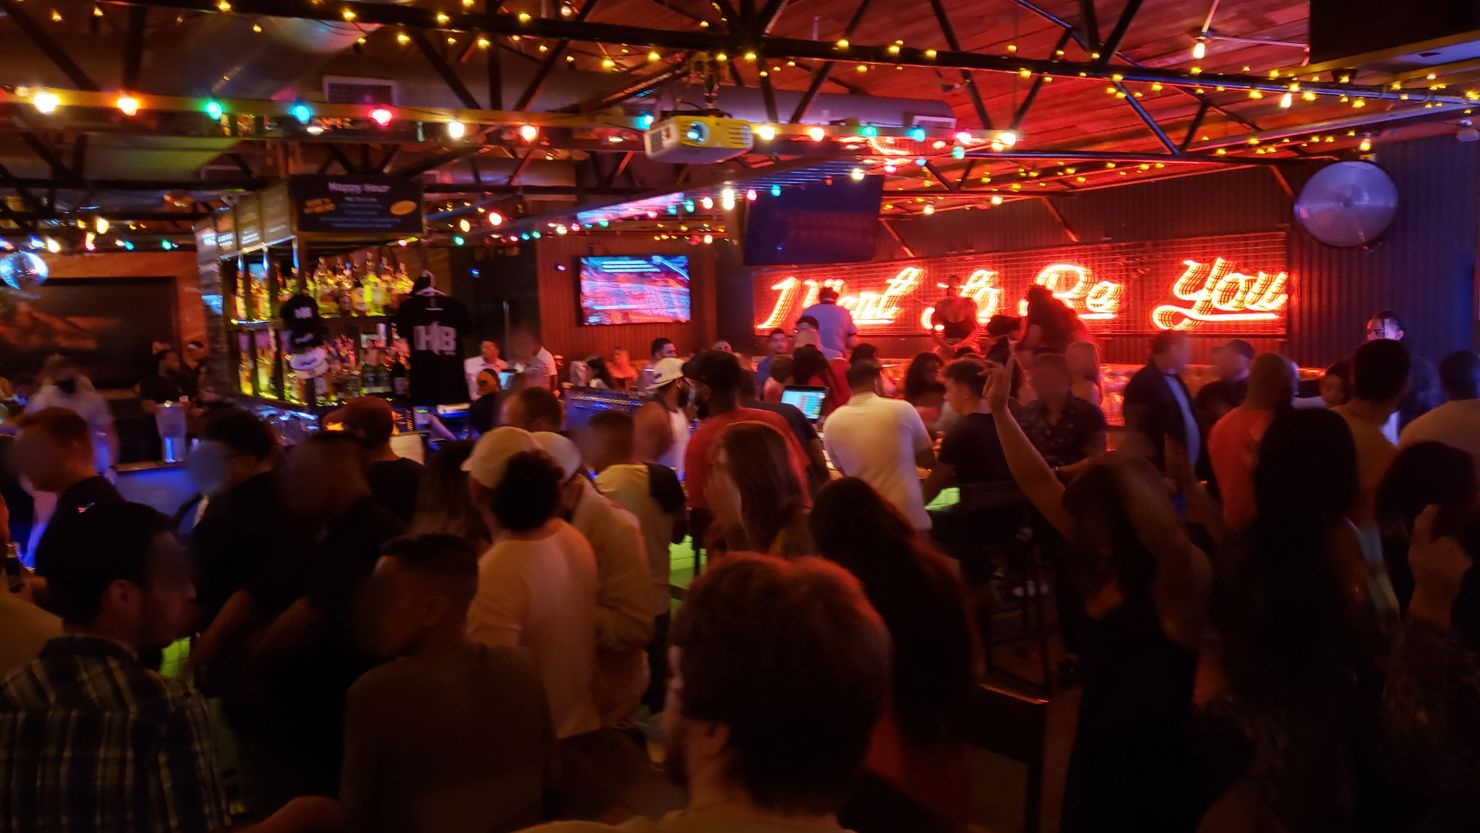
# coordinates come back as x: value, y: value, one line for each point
x: 1061, y: 443
x: 91, y: 740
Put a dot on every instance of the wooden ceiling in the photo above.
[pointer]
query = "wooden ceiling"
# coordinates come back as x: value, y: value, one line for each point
x: 1066, y: 114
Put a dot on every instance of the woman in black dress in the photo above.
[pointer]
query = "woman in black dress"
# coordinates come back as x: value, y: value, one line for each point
x: 1145, y: 588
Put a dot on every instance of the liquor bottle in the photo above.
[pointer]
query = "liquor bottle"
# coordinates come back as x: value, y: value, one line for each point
x: 399, y: 383
x: 264, y: 368
x: 346, y: 290
x: 244, y: 373
x: 374, y: 290
x: 239, y: 299
x: 328, y: 304
x: 358, y: 296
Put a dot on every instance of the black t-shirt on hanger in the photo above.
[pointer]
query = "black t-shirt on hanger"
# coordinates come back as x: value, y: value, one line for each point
x: 301, y: 320
x: 433, y: 325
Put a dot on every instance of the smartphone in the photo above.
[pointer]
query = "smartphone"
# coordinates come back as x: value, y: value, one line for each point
x: 13, y: 569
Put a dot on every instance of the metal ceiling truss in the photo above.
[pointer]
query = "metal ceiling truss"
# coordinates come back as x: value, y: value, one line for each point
x: 747, y: 31
x: 412, y: 17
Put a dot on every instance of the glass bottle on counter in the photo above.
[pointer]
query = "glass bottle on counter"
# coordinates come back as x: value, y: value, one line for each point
x: 266, y: 361
x: 261, y: 300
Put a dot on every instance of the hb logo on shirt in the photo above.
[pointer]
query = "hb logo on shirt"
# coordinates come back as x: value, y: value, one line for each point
x: 435, y: 338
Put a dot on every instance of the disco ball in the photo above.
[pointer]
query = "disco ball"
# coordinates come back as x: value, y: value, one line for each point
x: 23, y: 271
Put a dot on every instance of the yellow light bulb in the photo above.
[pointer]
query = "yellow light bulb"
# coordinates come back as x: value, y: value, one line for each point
x: 1287, y: 99
x: 816, y: 134
x: 456, y: 130
x: 102, y: 225
x: 403, y: 38
x: 928, y: 209
x: 842, y: 43
x: 654, y: 56
x: 483, y: 43
x: 524, y: 17
x: 930, y: 53
x: 765, y: 132
x: 45, y: 102
x: 996, y: 199
x: 750, y: 56
x: 1365, y: 145
x: 348, y: 14
x: 1199, y: 50
x: 127, y: 104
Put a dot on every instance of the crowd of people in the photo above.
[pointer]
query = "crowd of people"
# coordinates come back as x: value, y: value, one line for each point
x: 1266, y: 598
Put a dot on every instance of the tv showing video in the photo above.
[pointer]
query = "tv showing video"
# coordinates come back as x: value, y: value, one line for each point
x: 652, y: 289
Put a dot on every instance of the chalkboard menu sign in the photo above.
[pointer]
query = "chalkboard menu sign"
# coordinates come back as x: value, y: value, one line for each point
x: 248, y: 223
x: 226, y: 232
x: 379, y: 205
x: 277, y: 215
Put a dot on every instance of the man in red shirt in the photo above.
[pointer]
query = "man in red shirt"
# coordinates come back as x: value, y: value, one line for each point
x: 716, y: 378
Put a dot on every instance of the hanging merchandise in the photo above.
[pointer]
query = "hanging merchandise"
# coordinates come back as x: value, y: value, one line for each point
x: 433, y: 325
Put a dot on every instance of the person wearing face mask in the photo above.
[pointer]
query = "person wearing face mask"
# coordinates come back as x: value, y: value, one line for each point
x: 67, y: 388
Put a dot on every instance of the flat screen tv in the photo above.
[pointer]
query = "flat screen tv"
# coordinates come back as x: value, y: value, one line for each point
x: 651, y: 289
x: 822, y: 222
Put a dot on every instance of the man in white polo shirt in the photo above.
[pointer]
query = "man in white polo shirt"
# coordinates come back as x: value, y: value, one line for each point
x: 880, y: 441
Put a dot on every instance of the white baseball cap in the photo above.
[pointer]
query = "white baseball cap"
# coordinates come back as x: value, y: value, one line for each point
x: 562, y: 450
x: 491, y: 454
x: 667, y: 370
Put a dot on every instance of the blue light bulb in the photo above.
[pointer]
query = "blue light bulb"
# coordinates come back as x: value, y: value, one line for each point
x: 603, y: 223
x: 775, y: 190
x: 958, y: 152
x: 535, y: 235
x: 302, y: 112
x: 869, y: 131
x: 645, y: 121
x: 215, y: 110
x: 918, y: 134
x: 524, y: 236
x: 920, y: 160
x: 688, y: 205
x: 458, y: 240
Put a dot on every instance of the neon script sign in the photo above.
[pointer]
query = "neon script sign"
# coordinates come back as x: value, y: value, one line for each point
x: 1074, y: 285
x: 1216, y: 293
x: 1114, y: 288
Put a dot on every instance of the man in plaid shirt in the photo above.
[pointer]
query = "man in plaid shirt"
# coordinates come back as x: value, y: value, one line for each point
x: 91, y: 739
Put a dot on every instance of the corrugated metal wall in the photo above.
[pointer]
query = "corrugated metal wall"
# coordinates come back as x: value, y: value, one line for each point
x: 560, y: 308
x: 1423, y: 267
x: 1228, y: 202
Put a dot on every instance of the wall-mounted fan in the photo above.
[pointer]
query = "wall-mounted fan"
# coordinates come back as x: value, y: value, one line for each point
x: 1347, y: 204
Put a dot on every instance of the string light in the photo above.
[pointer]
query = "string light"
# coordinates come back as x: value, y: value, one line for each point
x: 301, y: 112
x: 1286, y: 100
x: 127, y: 104
x: 765, y: 132
x: 1200, y: 49
x: 707, y: 202
x: 775, y: 190
x: 214, y: 109
x: 102, y: 225
x: 403, y: 38
x: 928, y: 209
x: 856, y: 174
x: 464, y: 226
x: 842, y: 43
x: 528, y: 132
x: 45, y: 102
x: 727, y: 198
x: 495, y: 218
x: 654, y: 56
x: 382, y: 116
x: 1365, y: 145
x: 917, y: 134
x: 996, y: 199
x: 750, y: 195
x: 456, y: 130
x: 816, y: 134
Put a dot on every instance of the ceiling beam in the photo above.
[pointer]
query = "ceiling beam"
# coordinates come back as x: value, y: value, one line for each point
x: 1112, y: 43
x: 55, y: 53
x: 557, y: 51
x: 544, y: 27
x: 1135, y: 103
x: 1038, y: 81
x: 820, y: 74
x: 966, y: 79
x: 439, y: 64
